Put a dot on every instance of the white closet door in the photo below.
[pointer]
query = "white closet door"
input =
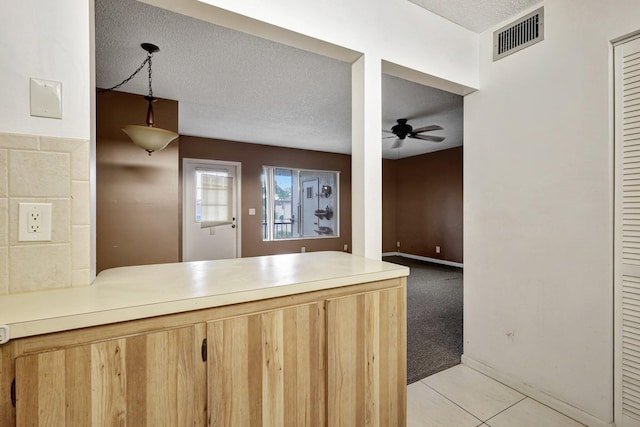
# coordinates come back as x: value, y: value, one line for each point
x: 627, y: 232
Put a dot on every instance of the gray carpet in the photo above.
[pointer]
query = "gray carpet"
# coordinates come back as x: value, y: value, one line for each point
x: 434, y: 317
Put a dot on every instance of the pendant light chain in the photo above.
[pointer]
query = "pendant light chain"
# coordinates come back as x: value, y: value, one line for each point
x: 149, y: 56
x: 147, y: 60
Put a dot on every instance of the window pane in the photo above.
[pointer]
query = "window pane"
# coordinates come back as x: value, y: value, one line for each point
x: 214, y: 197
x: 283, y: 207
x: 299, y: 203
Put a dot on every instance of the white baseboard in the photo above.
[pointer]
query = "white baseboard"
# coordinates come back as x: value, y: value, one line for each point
x: 542, y: 397
x: 424, y: 258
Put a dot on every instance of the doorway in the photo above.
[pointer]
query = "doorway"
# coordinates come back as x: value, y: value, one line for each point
x: 210, y: 222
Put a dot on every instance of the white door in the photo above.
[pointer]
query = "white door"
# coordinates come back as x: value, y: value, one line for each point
x: 627, y: 233
x: 210, y: 225
x: 309, y: 201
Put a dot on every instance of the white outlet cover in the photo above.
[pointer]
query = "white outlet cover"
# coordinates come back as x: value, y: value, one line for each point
x: 24, y: 210
x: 46, y: 98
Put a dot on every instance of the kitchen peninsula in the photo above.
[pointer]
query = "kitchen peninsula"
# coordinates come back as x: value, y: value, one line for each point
x: 296, y: 339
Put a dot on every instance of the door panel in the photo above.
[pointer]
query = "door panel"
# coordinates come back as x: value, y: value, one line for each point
x: 367, y: 374
x: 267, y: 369
x: 146, y: 380
x: 218, y: 241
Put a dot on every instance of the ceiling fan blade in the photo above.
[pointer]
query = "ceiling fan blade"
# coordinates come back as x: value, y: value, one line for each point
x: 386, y: 131
x: 397, y: 143
x: 387, y: 137
x: 428, y: 138
x: 427, y: 128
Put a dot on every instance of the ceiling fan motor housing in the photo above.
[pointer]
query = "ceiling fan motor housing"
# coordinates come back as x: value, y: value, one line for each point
x: 402, y: 129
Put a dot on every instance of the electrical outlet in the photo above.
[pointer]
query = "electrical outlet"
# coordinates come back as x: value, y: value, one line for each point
x: 34, y: 224
x: 346, y: 247
x: 398, y: 244
x: 437, y: 249
x: 303, y: 249
x: 4, y: 334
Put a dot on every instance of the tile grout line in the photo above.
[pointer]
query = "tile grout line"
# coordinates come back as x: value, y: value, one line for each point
x: 509, y: 407
x: 474, y: 416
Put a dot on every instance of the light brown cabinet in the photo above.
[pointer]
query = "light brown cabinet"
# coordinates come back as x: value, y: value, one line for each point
x: 366, y: 343
x: 327, y: 358
x: 267, y: 369
x: 149, y: 379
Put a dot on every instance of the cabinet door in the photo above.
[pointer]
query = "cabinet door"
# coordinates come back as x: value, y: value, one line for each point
x: 145, y: 380
x: 267, y: 369
x: 366, y: 353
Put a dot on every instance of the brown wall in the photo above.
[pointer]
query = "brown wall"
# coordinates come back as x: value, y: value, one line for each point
x: 389, y: 205
x: 253, y: 157
x: 428, y: 198
x: 136, y: 194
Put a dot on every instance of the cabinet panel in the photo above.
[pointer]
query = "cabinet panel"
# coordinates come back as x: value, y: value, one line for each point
x: 366, y: 353
x: 267, y: 369
x: 148, y: 379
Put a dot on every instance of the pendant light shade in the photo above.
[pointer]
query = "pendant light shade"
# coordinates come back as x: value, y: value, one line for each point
x: 149, y: 138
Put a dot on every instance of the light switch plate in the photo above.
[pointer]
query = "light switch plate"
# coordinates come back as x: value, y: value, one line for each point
x: 252, y: 211
x: 46, y: 98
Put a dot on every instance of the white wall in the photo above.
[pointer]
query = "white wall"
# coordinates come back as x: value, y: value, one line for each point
x: 48, y: 40
x: 538, y: 206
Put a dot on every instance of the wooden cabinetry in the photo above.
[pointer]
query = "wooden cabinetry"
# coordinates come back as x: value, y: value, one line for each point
x: 327, y: 358
x: 366, y: 343
x: 267, y: 369
x: 149, y: 379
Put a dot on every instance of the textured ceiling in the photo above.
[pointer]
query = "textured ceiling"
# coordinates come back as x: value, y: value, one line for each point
x: 476, y: 16
x: 238, y: 87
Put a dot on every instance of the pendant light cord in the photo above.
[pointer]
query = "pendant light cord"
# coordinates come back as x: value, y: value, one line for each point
x: 146, y: 61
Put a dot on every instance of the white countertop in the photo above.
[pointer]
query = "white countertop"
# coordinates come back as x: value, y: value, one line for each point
x: 128, y: 293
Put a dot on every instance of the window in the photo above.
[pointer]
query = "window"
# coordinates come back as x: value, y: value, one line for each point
x: 214, y: 197
x: 299, y: 203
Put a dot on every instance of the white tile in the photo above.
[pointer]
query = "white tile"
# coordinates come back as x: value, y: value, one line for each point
x: 4, y: 222
x: 24, y: 142
x: 4, y: 271
x: 476, y: 393
x: 530, y: 413
x: 80, y: 278
x: 80, y: 203
x: 61, y: 145
x: 80, y: 162
x: 34, y: 268
x: 427, y: 408
x: 4, y: 174
x: 39, y: 174
x: 80, y: 247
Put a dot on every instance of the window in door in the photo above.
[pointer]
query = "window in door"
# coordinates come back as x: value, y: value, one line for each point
x: 214, y: 197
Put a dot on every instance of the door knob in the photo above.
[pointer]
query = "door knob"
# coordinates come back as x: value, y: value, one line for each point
x: 233, y: 226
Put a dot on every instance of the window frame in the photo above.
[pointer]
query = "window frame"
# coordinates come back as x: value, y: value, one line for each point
x: 268, y: 203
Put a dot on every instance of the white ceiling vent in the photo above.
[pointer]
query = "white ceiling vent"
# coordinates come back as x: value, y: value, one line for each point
x: 522, y: 33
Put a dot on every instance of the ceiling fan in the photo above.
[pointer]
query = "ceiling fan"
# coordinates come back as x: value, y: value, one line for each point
x: 402, y: 130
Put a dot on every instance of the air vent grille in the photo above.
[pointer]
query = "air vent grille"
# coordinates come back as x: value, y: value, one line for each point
x: 522, y: 33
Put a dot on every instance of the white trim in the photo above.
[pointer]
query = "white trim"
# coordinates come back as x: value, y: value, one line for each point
x: 424, y: 258
x: 536, y: 394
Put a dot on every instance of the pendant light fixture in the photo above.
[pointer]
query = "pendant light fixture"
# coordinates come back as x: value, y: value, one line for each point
x: 149, y: 137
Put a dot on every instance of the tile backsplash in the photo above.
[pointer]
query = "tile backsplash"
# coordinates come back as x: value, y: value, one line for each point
x: 44, y: 170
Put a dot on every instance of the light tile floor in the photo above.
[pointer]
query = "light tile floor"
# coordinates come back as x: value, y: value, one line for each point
x: 463, y: 397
